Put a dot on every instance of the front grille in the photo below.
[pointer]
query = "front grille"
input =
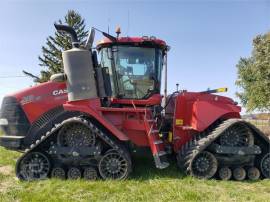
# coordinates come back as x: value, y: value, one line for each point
x: 18, y: 123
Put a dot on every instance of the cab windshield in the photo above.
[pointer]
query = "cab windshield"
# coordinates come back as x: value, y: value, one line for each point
x: 135, y: 72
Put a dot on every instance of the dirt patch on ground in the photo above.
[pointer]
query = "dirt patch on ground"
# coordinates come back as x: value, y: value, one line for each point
x: 6, y: 170
x: 5, y: 184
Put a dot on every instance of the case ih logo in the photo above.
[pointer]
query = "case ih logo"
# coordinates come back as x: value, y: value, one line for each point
x: 59, y: 92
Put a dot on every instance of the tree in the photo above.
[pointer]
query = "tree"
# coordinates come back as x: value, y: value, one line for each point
x: 254, y: 76
x: 51, y: 59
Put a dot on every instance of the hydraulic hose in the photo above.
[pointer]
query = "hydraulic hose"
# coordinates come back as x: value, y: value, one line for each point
x: 166, y: 104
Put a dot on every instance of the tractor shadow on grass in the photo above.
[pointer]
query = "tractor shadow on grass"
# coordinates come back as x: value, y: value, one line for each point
x: 144, y: 168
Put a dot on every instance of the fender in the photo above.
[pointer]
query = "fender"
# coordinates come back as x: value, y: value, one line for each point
x: 90, y: 107
x: 197, y: 111
x: 205, y: 113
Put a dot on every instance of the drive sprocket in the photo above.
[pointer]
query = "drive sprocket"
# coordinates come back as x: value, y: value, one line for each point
x: 76, y: 134
x: 236, y: 136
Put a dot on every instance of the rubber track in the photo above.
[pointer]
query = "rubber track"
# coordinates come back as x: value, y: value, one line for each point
x: 114, y: 145
x: 201, y: 141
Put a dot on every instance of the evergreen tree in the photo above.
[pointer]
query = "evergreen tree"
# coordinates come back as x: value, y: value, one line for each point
x: 51, y: 59
x: 254, y: 76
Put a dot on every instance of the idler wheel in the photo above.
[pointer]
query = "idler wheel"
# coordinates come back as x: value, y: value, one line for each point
x: 59, y: 173
x: 225, y: 173
x: 74, y: 173
x: 114, y: 165
x: 204, y: 165
x: 34, y: 166
x: 239, y: 174
x: 265, y: 165
x: 90, y: 174
x: 253, y: 173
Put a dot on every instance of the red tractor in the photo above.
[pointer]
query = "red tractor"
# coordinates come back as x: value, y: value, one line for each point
x: 87, y: 121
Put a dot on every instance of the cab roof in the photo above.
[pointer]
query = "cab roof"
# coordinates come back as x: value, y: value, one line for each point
x: 145, y: 40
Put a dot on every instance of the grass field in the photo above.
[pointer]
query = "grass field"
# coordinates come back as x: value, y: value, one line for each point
x: 145, y: 184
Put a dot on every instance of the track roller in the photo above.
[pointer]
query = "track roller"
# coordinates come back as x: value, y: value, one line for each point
x: 225, y: 173
x: 253, y: 173
x: 239, y: 173
x: 90, y: 173
x: 74, y: 173
x: 59, y: 173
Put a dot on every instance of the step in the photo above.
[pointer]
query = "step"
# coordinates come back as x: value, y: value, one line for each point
x: 155, y: 131
x: 158, y: 142
x: 151, y: 120
x: 163, y: 165
x: 161, y: 160
x: 161, y: 153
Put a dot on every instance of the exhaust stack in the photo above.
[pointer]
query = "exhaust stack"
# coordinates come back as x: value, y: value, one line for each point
x: 69, y: 30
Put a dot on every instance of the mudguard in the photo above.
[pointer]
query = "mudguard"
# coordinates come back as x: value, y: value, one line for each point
x: 90, y: 107
x: 198, y: 111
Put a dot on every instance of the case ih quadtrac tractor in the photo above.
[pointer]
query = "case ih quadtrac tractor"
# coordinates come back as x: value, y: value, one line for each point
x: 86, y: 121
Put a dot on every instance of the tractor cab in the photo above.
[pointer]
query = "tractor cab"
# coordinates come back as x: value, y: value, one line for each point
x: 134, y: 65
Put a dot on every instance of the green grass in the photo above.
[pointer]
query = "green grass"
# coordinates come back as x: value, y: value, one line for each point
x: 145, y: 184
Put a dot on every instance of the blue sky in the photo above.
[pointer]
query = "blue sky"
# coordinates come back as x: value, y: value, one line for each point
x: 207, y: 38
